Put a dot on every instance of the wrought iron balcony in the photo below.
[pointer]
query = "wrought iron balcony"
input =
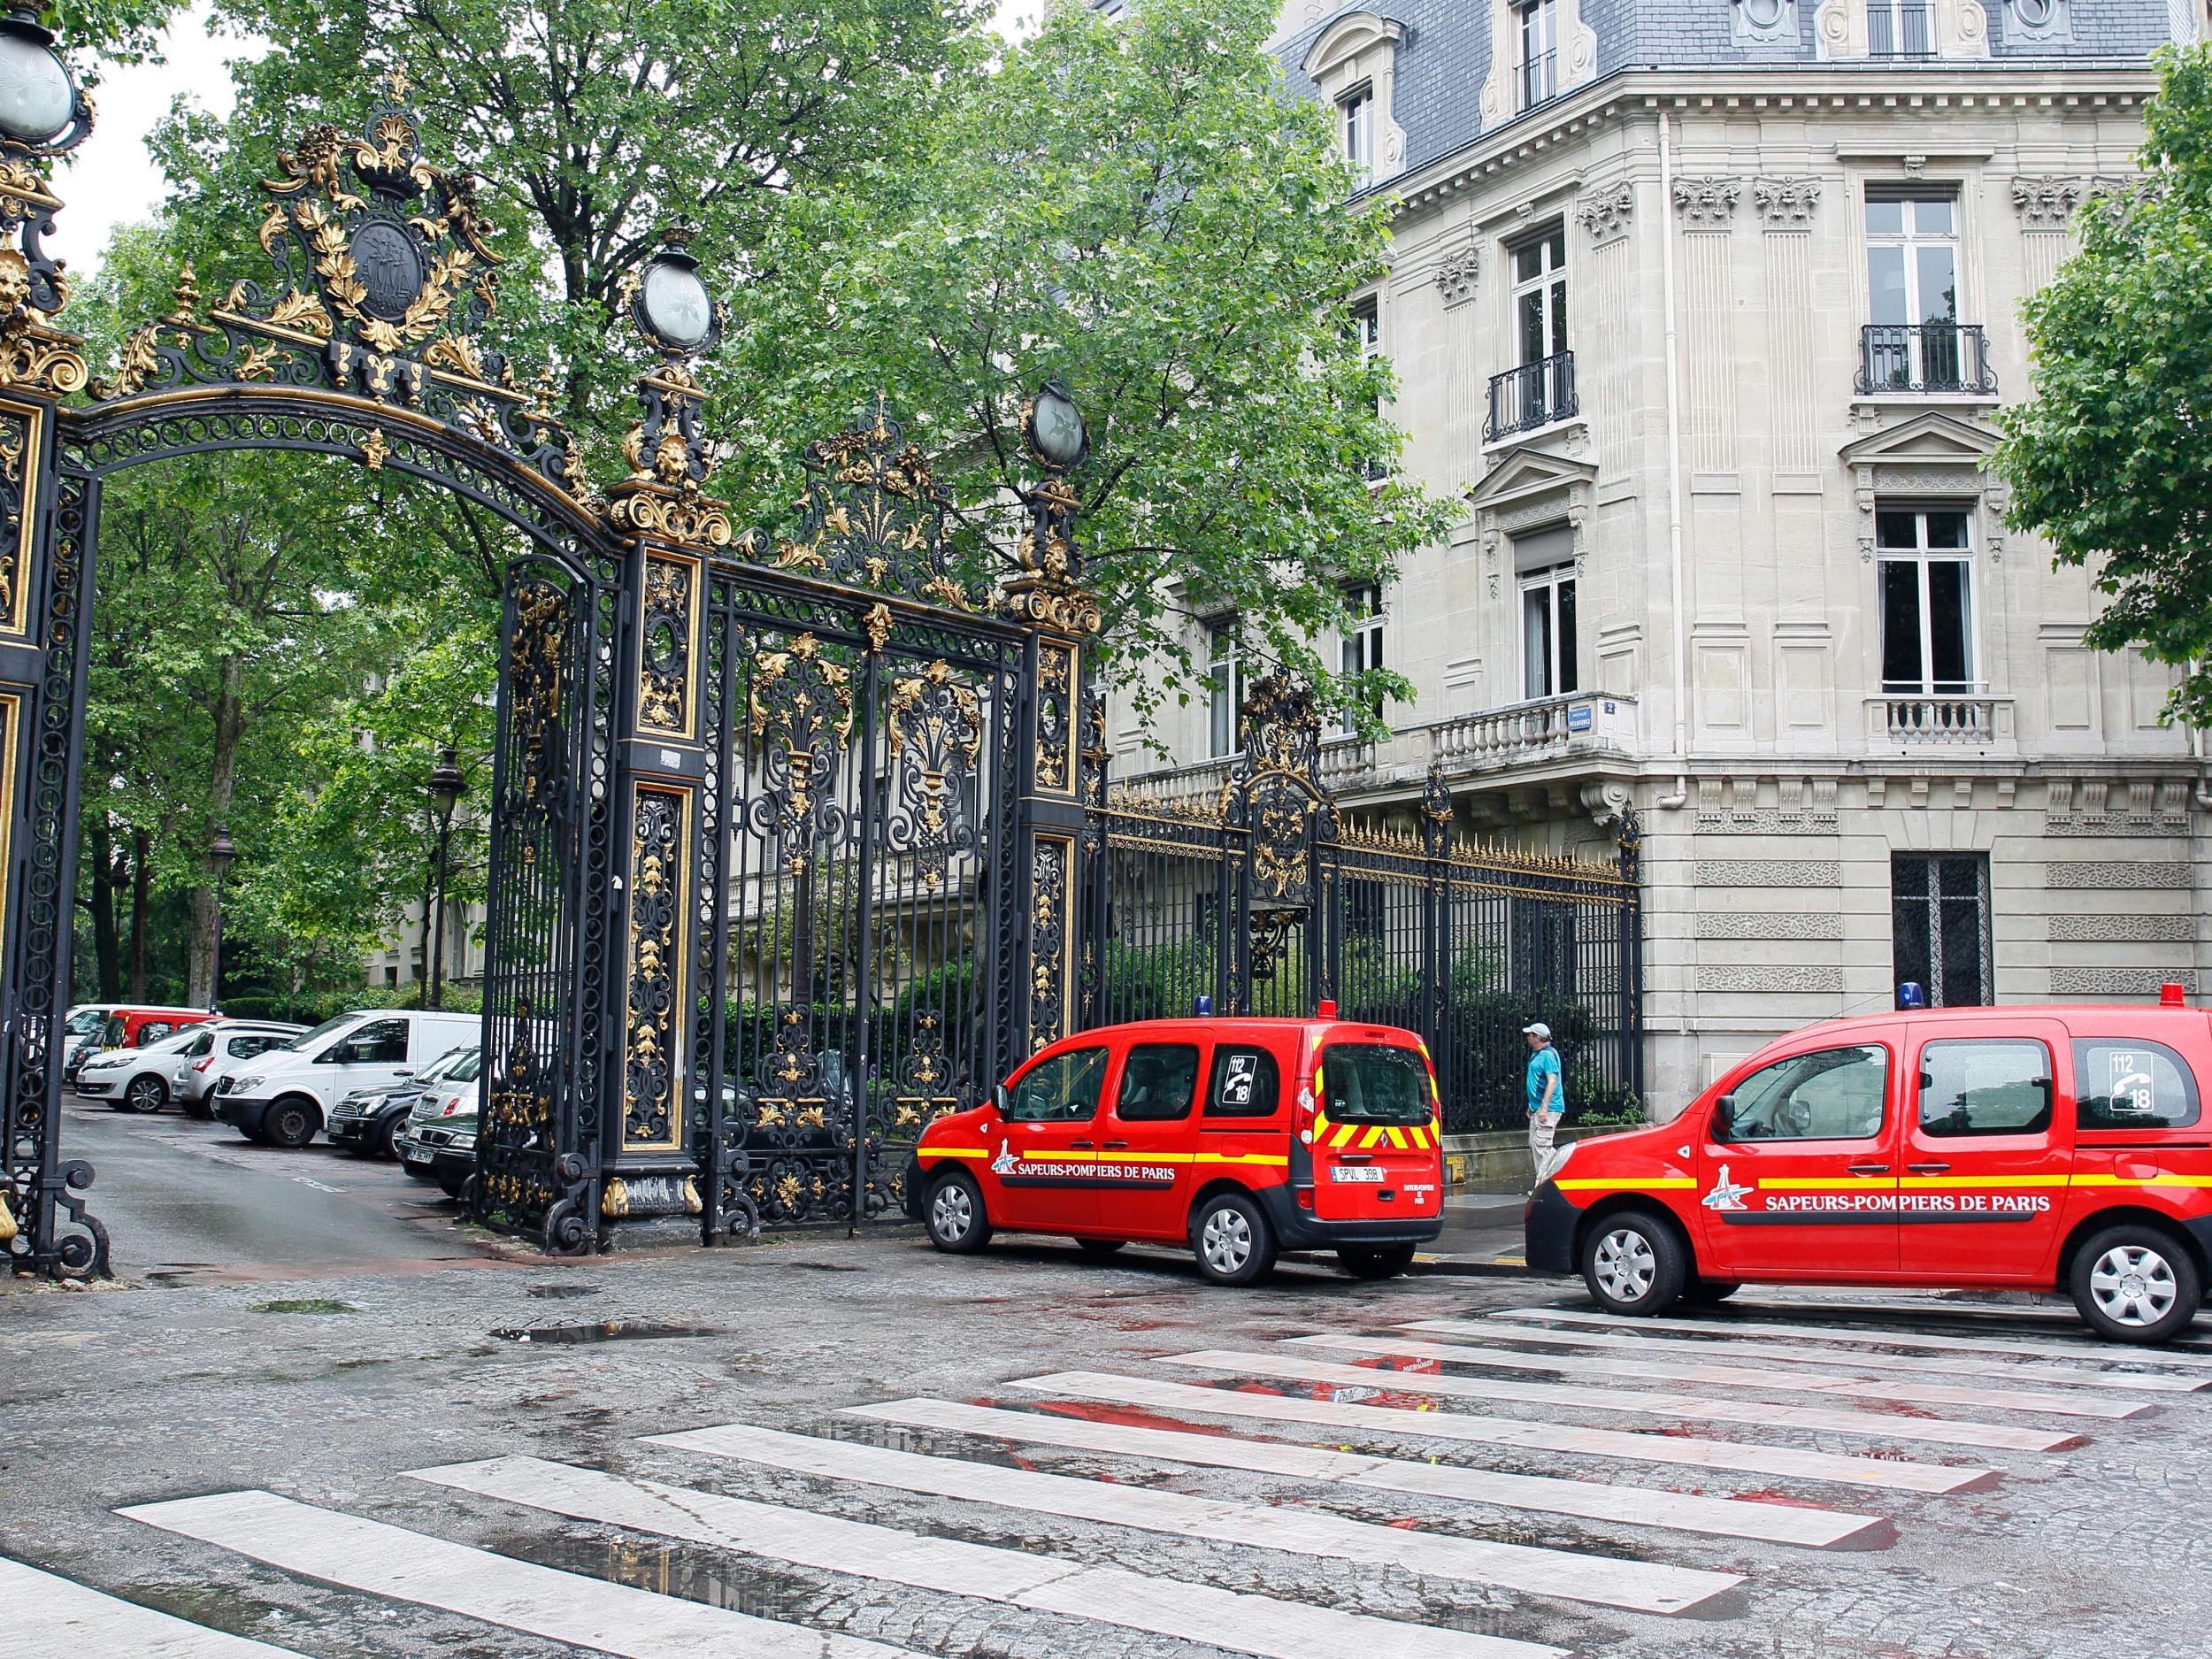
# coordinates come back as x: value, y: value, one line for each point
x: 1925, y: 357
x: 1534, y: 395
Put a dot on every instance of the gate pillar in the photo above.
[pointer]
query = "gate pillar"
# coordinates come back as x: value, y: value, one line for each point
x: 668, y: 919
x: 1051, y: 812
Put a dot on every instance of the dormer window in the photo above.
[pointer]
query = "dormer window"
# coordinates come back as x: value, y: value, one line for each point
x: 1536, y: 55
x: 1898, y: 28
x: 1353, y: 65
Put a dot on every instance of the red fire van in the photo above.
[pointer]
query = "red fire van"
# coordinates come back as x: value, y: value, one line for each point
x: 2044, y: 1149
x: 1237, y: 1137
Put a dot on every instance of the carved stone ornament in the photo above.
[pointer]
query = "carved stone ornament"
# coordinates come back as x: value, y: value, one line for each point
x: 2047, y: 204
x: 1605, y: 213
x: 1786, y: 203
x: 1707, y: 203
x: 1456, y: 277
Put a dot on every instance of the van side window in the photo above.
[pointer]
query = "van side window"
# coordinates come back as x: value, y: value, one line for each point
x: 380, y: 1042
x: 1061, y: 1090
x: 2121, y: 1083
x: 153, y: 1031
x: 1246, y: 1083
x: 1830, y: 1094
x: 1157, y: 1082
x: 1999, y: 1087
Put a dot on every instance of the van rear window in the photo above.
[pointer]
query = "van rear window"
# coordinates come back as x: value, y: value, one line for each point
x: 1374, y: 1083
x: 2119, y: 1084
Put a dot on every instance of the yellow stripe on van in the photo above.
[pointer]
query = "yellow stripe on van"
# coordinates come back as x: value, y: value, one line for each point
x: 956, y: 1152
x: 1643, y: 1184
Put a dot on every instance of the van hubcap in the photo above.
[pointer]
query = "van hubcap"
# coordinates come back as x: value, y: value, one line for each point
x: 1227, y: 1240
x: 1625, y: 1265
x: 2133, y: 1285
x: 951, y: 1214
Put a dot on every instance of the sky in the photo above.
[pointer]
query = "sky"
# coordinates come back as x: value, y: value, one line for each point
x: 111, y: 180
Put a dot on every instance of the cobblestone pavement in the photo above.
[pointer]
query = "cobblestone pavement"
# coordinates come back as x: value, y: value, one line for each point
x: 1489, y: 1486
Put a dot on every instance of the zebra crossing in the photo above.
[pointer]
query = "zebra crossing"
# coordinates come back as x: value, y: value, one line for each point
x: 1130, y: 1487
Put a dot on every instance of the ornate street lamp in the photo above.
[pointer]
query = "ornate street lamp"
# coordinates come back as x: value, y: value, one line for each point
x: 219, y: 854
x: 670, y: 303
x: 1055, y: 430
x: 38, y: 95
x: 447, y: 786
x: 43, y: 113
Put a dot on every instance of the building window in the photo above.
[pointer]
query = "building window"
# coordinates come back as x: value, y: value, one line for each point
x: 1914, y: 338
x: 1366, y: 334
x: 1898, y: 28
x: 1539, y: 295
x: 1536, y: 49
x: 1548, y: 632
x: 1939, y: 925
x: 1225, y: 668
x: 1927, y: 577
x: 1363, y: 639
x: 1355, y: 111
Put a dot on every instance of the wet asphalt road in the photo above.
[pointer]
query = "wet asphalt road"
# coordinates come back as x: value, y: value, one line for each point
x: 187, y: 1200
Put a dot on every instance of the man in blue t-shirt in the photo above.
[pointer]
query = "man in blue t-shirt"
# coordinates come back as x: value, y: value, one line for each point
x: 1547, y: 1096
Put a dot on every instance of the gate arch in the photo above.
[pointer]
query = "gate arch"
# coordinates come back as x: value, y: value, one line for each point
x: 654, y: 711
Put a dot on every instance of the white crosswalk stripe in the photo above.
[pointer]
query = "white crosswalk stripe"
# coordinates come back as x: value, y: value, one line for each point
x: 58, y: 1618
x: 1868, y: 1424
x: 1581, y: 1578
x: 410, y: 1566
x: 1690, y: 1344
x: 1787, y: 1462
x: 1165, y: 1607
x: 1635, y: 1505
x: 1491, y: 1350
x: 2087, y: 1350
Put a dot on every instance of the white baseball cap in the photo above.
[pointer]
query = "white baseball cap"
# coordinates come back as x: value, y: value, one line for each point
x: 1539, y: 1029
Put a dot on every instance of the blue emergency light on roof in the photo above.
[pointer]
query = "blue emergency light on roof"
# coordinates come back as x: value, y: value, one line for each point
x: 1202, y: 1008
x: 1912, y: 994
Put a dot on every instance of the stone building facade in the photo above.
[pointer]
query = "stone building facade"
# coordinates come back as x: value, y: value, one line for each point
x: 1707, y: 308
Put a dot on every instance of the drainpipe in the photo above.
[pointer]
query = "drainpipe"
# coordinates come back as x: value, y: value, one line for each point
x: 1674, y: 475
x: 2204, y: 777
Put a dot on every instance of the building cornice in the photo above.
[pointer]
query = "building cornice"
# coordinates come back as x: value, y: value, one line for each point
x: 1835, y: 88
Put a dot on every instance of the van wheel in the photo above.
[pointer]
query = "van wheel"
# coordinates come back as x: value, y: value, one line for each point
x: 146, y: 1094
x: 291, y: 1122
x: 1385, y: 1263
x: 2135, y: 1284
x: 1633, y: 1264
x: 1709, y: 1293
x: 1099, y: 1247
x: 1232, y: 1241
x: 955, y: 1214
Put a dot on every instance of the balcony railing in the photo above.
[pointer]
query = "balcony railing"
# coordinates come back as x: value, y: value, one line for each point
x: 1534, y: 395
x: 1925, y: 357
x: 1974, y: 720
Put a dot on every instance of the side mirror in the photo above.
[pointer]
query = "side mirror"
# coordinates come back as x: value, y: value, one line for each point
x: 1725, y: 1118
x: 1001, y: 1099
x: 344, y: 1054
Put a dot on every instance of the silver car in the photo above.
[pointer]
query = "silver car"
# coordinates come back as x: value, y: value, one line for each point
x: 183, y: 1067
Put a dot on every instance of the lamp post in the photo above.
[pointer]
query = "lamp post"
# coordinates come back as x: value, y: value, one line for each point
x: 447, y: 786
x: 219, y: 853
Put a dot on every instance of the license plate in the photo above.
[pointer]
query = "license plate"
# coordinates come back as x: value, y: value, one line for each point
x: 416, y: 1155
x: 1358, y: 1174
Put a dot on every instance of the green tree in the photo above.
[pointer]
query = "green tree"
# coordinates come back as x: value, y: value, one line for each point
x: 1142, y: 210
x: 2111, y: 459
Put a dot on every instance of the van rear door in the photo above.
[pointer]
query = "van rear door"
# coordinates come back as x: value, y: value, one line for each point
x: 1376, y: 1155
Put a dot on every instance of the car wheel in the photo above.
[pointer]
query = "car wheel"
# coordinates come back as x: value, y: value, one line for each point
x: 954, y: 1215
x: 451, y: 1185
x: 1099, y: 1247
x: 199, y: 1110
x: 1385, y: 1263
x: 1707, y: 1293
x: 387, y: 1140
x: 1633, y: 1264
x: 2136, y: 1284
x: 291, y: 1122
x: 146, y: 1094
x: 1232, y: 1241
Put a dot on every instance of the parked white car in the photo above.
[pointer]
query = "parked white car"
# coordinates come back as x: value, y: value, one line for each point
x: 182, y: 1067
x: 228, y: 1044
x: 284, y: 1097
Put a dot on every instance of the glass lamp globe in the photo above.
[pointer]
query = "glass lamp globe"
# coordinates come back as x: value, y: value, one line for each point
x: 36, y: 94
x: 676, y: 304
x: 1055, y: 426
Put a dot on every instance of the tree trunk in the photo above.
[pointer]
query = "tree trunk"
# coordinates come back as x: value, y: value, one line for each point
x: 107, y: 945
x: 207, y: 898
x: 141, y: 849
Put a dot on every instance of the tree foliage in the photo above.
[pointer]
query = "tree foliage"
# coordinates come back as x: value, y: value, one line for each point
x: 2111, y: 458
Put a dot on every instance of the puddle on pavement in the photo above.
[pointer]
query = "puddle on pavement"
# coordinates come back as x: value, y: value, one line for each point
x: 695, y: 1573
x: 605, y: 1330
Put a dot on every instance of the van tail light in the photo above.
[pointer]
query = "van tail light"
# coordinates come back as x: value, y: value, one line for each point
x: 1305, y: 1198
x: 2172, y: 996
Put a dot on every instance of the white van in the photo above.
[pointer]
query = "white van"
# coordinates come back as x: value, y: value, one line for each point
x: 287, y: 1095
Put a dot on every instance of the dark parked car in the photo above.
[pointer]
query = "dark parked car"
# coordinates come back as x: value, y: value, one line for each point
x: 441, y: 1150
x: 369, y: 1121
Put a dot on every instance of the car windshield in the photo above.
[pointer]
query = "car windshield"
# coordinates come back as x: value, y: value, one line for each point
x: 90, y: 1020
x: 308, y: 1039
x: 198, y: 1040
x: 447, y: 1064
x: 466, y: 1068
x: 1374, y: 1083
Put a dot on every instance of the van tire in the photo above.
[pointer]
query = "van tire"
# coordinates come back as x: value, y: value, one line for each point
x: 954, y: 1214
x: 291, y: 1122
x: 1633, y: 1264
x: 1378, y: 1261
x: 2166, y: 1291
x: 1231, y: 1239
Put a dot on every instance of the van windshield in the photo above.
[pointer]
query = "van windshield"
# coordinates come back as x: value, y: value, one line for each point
x: 111, y: 1035
x: 308, y: 1039
x: 91, y: 1020
x: 1374, y: 1083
